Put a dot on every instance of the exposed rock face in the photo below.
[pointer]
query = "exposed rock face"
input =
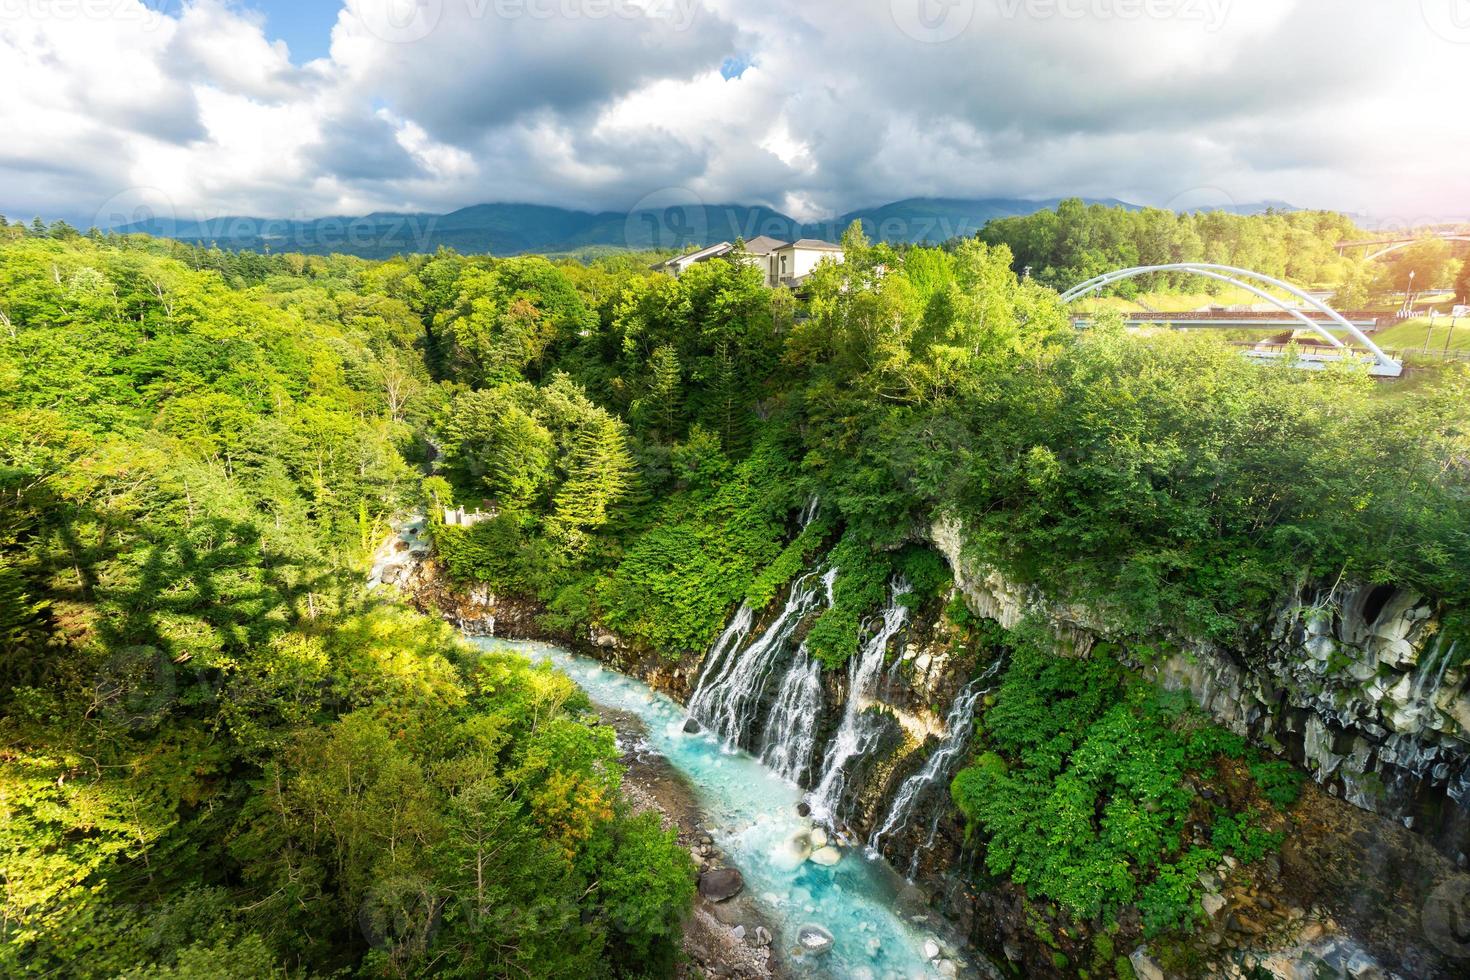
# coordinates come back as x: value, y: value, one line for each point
x: 1354, y: 683
x: 1350, y: 684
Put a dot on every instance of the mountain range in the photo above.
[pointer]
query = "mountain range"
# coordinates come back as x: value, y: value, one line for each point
x: 512, y: 229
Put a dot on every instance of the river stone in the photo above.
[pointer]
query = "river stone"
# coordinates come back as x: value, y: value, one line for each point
x: 803, y: 809
x: 1144, y: 965
x: 819, y: 837
x: 826, y: 856
x: 762, y: 936
x: 931, y: 949
x: 798, y: 848
x: 738, y: 932
x: 1213, y: 904
x: 814, y: 939
x: 691, y: 727
x: 721, y: 884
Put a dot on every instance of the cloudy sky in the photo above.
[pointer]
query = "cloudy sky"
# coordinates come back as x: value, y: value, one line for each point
x: 288, y: 108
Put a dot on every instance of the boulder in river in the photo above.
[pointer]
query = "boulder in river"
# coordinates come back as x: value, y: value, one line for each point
x: 813, y: 939
x: 691, y: 727
x: 793, y: 851
x: 826, y: 856
x: 762, y: 936
x: 721, y: 884
x: 803, y: 809
x: 819, y: 837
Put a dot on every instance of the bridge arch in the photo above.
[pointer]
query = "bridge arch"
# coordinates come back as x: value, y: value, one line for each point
x: 1379, y: 247
x: 1390, y: 247
x: 1383, y: 364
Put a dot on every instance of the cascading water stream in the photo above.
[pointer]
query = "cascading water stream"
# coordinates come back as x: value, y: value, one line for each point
x: 937, y: 768
x: 791, y: 728
x: 854, y: 734
x: 880, y: 929
x: 719, y: 654
x: 728, y: 699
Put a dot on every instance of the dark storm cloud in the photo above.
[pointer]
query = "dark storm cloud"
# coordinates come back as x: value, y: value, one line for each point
x: 363, y: 148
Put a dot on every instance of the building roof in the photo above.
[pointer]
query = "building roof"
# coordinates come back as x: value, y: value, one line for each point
x: 708, y: 252
x: 763, y: 245
x: 815, y: 244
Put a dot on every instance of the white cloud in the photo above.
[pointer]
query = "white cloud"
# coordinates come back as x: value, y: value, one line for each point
x: 435, y: 104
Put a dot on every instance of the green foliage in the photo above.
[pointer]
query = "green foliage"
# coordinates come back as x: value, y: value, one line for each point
x: 1170, y: 903
x: 1238, y: 835
x: 501, y: 554
x: 222, y: 759
x: 678, y: 580
x: 861, y: 587
x: 1279, y: 781
x: 1077, y: 241
x: 1083, y: 789
x: 208, y: 725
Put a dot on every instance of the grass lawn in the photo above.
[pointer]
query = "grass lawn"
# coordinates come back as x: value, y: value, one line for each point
x: 1411, y: 335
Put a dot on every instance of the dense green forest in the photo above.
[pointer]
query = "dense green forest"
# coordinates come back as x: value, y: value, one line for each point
x: 1077, y: 241
x: 218, y: 748
x: 220, y: 756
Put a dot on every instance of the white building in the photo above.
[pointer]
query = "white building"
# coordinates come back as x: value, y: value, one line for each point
x: 781, y: 263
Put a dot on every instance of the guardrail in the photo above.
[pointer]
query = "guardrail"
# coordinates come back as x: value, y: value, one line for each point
x: 1314, y: 350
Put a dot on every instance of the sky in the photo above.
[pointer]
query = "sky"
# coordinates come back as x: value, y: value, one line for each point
x: 116, y: 109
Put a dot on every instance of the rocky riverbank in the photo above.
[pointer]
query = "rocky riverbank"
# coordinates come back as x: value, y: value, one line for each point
x: 726, y: 935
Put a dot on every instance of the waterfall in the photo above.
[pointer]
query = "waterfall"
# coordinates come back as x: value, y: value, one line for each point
x: 1424, y: 688
x: 727, y: 699
x: 937, y: 767
x: 854, y: 736
x: 809, y: 510
x: 940, y: 810
x: 791, y: 728
x: 734, y: 634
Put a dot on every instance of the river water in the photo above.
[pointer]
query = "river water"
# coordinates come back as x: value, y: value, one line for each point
x: 879, y: 924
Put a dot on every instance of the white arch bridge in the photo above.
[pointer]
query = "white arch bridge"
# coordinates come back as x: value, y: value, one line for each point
x: 1377, y: 248
x: 1256, y: 283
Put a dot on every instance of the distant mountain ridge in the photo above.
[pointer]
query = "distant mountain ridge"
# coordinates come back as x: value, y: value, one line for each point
x: 513, y: 229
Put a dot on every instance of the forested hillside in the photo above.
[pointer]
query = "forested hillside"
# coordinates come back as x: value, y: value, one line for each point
x: 1077, y: 241
x: 219, y: 756
x: 218, y: 749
